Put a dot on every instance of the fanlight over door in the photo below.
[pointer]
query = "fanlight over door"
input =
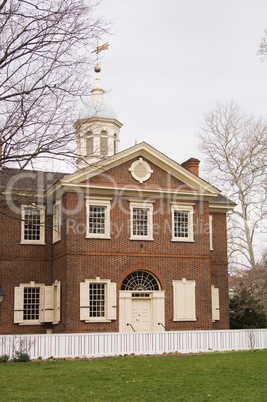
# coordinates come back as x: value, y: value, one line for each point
x: 141, y: 303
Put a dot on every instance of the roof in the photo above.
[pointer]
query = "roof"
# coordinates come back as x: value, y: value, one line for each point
x: 98, y: 109
x: 27, y: 180
x: 40, y: 181
x: 221, y: 199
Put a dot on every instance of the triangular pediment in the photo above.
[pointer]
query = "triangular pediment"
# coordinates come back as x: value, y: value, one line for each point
x: 190, y: 181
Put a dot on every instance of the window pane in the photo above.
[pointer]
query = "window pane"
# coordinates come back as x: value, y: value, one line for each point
x: 103, y: 145
x: 32, y: 222
x: 89, y: 146
x: 97, y: 299
x: 97, y: 217
x: 31, y: 303
x: 140, y: 222
x: 180, y: 224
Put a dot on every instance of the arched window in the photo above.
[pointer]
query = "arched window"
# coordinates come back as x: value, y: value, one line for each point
x: 140, y: 281
x: 89, y: 146
x: 115, y: 143
x: 103, y: 143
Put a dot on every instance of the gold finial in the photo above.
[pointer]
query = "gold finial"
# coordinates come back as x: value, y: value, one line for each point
x: 98, y: 50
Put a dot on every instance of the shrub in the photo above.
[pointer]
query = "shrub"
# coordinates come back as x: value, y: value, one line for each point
x: 21, y: 357
x: 4, y: 358
x: 246, y: 312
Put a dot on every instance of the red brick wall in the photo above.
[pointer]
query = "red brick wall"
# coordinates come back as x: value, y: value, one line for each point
x: 76, y: 258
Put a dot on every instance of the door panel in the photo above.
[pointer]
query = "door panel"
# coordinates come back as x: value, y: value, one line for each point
x: 141, y: 315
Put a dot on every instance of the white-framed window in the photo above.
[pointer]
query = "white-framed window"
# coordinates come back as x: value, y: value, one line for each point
x: 141, y: 220
x: 98, y: 300
x: 57, y: 221
x: 182, y: 222
x: 32, y: 224
x: 90, y: 144
x: 184, y: 306
x: 35, y: 303
x: 98, y: 217
x: 215, y: 303
x: 103, y: 143
x: 211, y: 231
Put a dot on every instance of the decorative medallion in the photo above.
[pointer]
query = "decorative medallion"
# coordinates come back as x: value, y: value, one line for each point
x: 140, y: 170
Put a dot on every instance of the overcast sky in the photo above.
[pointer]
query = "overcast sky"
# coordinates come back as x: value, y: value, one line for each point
x: 169, y: 62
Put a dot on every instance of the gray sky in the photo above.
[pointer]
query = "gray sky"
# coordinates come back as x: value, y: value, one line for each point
x: 169, y: 62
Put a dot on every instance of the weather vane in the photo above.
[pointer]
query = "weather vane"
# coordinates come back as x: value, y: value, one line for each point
x: 98, y: 50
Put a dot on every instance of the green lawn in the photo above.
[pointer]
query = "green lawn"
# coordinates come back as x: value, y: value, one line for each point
x: 234, y: 376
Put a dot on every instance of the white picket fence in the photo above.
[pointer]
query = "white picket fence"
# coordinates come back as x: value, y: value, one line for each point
x: 142, y: 343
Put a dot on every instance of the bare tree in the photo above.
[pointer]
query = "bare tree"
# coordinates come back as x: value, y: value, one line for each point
x: 45, y: 58
x: 263, y: 46
x: 235, y: 146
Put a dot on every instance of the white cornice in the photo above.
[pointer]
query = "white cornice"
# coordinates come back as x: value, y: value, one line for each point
x: 152, y: 155
x: 222, y: 208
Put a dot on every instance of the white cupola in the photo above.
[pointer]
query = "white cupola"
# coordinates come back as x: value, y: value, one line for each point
x: 97, y: 129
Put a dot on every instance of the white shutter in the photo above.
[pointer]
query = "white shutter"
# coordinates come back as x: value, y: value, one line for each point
x: 84, y: 301
x: 184, y: 308
x: 190, y: 304
x: 49, y: 303
x: 18, y: 305
x: 56, y: 302
x: 215, y: 303
x: 111, y: 301
x: 42, y: 304
x: 178, y: 300
x: 211, y: 231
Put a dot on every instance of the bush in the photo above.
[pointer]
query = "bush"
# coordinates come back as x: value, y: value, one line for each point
x: 4, y: 358
x: 21, y: 357
x: 246, y: 312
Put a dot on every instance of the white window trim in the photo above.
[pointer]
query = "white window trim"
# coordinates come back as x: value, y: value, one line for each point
x: 98, y: 202
x: 57, y: 221
x: 211, y: 231
x: 189, y: 208
x: 187, y: 291
x: 41, y: 208
x: 110, y: 300
x: 142, y: 205
x: 215, y: 303
x: 49, y: 303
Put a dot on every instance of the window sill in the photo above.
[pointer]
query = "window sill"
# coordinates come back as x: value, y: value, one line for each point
x: 56, y: 241
x: 142, y: 238
x: 96, y: 321
x: 182, y: 240
x: 98, y: 237
x: 33, y: 243
x: 185, y: 319
x: 31, y: 323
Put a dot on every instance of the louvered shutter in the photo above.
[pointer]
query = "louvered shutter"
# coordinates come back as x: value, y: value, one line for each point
x: 215, y: 303
x: 42, y: 304
x: 84, y: 301
x: 57, y: 302
x: 49, y: 303
x: 18, y: 305
x: 112, y: 301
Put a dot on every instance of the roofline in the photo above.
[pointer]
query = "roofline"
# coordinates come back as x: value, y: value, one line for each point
x: 143, y: 148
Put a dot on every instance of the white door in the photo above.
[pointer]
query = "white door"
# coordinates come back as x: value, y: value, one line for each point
x: 141, y: 315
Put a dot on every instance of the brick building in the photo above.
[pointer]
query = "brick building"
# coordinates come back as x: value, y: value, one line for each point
x: 132, y: 241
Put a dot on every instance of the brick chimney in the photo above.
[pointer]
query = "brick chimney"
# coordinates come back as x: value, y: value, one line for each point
x: 192, y: 165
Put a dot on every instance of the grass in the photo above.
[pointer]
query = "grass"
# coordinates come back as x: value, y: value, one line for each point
x: 234, y: 376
